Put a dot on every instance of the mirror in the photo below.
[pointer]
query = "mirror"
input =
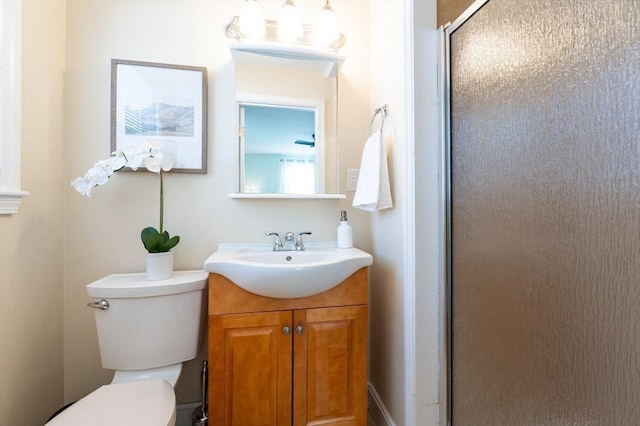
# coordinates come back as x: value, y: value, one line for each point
x: 286, y: 110
x: 281, y: 144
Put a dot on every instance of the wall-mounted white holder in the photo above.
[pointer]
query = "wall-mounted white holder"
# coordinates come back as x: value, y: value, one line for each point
x: 303, y: 49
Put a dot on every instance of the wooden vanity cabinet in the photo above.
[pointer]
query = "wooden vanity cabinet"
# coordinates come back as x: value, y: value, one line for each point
x: 283, y: 362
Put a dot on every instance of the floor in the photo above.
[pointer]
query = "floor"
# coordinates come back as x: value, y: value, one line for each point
x: 369, y: 421
x: 185, y: 411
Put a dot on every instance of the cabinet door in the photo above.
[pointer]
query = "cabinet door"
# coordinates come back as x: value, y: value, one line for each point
x: 250, y: 369
x: 330, y: 366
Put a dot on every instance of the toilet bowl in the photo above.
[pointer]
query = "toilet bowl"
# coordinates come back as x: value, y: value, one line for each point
x: 146, y: 330
x: 149, y: 403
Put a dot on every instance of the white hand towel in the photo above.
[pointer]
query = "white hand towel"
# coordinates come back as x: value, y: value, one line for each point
x: 374, y: 190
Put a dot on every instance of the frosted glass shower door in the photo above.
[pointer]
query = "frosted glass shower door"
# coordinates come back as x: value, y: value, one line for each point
x: 545, y: 213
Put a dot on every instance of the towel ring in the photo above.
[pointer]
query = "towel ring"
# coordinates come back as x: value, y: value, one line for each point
x: 384, y: 112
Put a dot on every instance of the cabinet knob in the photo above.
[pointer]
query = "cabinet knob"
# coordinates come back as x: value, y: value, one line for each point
x: 286, y: 330
x: 299, y: 329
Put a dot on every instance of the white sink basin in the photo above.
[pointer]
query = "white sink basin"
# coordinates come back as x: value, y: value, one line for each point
x: 286, y: 274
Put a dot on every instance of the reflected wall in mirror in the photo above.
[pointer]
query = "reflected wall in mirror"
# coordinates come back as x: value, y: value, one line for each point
x: 281, y: 101
x: 281, y: 144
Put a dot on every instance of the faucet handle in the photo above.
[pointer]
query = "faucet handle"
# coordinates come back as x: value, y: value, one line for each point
x: 299, y: 242
x: 277, y: 244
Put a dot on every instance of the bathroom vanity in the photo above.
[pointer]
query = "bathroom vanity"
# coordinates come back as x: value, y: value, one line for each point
x: 288, y: 361
x: 288, y: 335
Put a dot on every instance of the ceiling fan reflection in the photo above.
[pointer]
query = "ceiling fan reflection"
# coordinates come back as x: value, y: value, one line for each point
x: 310, y: 144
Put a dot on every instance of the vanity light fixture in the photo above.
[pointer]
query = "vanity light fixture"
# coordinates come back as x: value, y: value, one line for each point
x: 251, y: 20
x: 289, y: 23
x: 326, y: 32
x: 251, y: 29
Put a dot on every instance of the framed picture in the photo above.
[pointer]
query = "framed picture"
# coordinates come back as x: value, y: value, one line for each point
x: 163, y: 104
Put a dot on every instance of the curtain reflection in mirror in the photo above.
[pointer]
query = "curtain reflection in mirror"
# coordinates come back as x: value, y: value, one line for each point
x: 297, y: 176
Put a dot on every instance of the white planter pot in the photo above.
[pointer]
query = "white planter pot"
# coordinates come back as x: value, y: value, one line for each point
x: 159, y: 266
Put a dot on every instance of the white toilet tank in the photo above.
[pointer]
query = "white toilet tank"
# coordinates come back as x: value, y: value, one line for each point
x: 148, y: 324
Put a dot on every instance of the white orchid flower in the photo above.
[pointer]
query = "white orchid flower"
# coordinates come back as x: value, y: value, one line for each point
x: 167, y: 163
x: 158, y: 161
x: 112, y: 164
x: 118, y: 160
x: 152, y: 164
x: 100, y: 173
x: 133, y: 156
x: 83, y: 186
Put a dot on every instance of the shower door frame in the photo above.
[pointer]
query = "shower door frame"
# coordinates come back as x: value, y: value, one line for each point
x: 445, y: 67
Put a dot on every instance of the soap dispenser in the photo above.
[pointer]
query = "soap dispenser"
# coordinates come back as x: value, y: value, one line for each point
x: 345, y: 235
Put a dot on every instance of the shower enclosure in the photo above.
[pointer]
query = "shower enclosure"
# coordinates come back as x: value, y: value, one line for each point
x: 543, y: 155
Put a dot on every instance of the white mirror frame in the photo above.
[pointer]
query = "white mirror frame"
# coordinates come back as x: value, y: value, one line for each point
x: 301, y: 55
x: 304, y: 56
x: 11, y: 103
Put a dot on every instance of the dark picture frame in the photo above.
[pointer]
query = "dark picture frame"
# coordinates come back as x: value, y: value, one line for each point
x: 163, y: 104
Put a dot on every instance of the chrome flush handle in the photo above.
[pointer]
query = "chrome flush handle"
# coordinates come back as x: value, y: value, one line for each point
x: 102, y: 305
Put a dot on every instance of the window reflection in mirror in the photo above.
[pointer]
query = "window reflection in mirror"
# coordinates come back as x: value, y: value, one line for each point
x: 281, y: 146
x: 272, y: 97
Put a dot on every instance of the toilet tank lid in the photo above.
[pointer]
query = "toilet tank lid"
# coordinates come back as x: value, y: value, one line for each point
x: 136, y: 285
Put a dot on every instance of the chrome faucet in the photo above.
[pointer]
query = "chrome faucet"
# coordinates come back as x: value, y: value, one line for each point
x: 288, y: 244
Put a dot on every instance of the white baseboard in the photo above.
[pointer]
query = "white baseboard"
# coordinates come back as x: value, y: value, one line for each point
x: 379, y: 413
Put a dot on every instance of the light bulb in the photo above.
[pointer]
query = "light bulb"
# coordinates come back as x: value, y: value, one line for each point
x: 326, y: 27
x: 251, y: 19
x: 289, y: 23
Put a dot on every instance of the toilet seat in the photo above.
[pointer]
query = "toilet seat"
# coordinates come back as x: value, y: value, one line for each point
x: 145, y: 403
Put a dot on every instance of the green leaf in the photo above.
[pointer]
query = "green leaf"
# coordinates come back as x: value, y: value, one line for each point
x: 148, y: 236
x: 155, y: 242
x: 171, y: 243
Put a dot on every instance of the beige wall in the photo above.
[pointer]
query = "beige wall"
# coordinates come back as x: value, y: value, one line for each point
x: 406, y: 274
x: 102, y: 233
x: 388, y: 82
x: 450, y: 10
x: 31, y: 249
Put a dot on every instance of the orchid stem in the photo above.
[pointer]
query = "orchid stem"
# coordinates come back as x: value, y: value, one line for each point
x: 161, y: 202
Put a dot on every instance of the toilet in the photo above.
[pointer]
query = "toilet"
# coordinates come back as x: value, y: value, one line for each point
x: 146, y: 330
